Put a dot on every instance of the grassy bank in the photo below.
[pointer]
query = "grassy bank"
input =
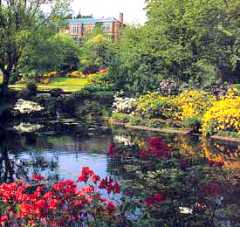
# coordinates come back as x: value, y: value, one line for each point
x: 66, y: 84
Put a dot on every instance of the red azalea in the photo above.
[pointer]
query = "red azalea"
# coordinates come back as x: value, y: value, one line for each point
x: 85, y: 174
x: 95, y: 178
x: 88, y: 189
x: 3, y: 219
x: 157, y: 198
x: 37, y: 177
x: 116, y: 188
x: 52, y: 204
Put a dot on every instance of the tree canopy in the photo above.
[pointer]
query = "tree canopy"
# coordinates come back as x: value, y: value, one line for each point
x: 20, y: 20
x: 190, y: 41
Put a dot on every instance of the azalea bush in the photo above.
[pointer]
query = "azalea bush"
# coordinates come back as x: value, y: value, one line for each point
x: 224, y: 115
x: 154, y: 105
x: 124, y: 104
x: 61, y: 204
x: 193, y: 103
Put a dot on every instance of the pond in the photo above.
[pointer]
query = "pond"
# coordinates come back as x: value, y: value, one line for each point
x: 61, y: 155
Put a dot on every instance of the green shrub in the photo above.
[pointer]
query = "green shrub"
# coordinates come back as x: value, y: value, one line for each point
x: 192, y: 122
x: 121, y: 117
x: 153, y: 105
x: 135, y: 120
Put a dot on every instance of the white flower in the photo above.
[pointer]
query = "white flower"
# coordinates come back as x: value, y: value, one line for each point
x: 27, y: 127
x: 124, y: 140
x: 124, y: 104
x: 24, y: 106
x: 185, y: 210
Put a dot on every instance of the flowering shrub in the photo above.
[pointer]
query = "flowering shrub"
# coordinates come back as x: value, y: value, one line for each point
x: 155, y: 105
x: 61, y: 204
x: 193, y: 103
x: 224, y: 115
x: 232, y: 92
x: 124, y: 105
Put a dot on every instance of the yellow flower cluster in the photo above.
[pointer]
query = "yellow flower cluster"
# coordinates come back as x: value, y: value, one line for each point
x: 193, y: 103
x: 232, y: 93
x: 224, y: 115
x: 155, y: 105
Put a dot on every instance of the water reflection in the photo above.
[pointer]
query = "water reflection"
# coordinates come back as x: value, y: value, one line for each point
x: 62, y: 155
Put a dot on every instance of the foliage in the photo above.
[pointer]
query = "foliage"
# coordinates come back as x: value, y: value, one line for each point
x: 32, y: 87
x: 121, y: 117
x: 224, y: 115
x: 192, y: 122
x: 95, y: 51
x: 193, y: 103
x: 154, y: 105
x: 60, y: 48
x: 196, y: 42
x: 20, y: 22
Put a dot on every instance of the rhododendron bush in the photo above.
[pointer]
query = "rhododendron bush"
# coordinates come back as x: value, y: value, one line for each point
x: 61, y: 204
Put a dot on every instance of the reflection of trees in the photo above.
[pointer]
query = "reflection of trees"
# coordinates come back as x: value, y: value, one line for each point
x: 14, y: 166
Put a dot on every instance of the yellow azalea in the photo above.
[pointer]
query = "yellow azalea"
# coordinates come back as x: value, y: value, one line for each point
x: 224, y: 115
x: 193, y: 103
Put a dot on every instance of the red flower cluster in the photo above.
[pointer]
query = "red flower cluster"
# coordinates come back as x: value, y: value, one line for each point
x: 157, y: 148
x: 106, y: 183
x: 63, y: 202
x: 110, y: 185
x: 155, y: 199
x: 36, y: 177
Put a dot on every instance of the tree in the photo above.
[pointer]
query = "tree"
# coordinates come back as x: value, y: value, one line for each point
x: 96, y: 49
x: 19, y: 21
x: 49, y: 51
x: 189, y: 41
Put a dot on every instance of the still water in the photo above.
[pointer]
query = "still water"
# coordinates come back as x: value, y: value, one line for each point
x: 63, y: 155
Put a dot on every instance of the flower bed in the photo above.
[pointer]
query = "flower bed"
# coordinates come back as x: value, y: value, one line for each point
x: 193, y: 109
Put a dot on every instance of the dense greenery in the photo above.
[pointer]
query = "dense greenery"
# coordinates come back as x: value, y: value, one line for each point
x: 20, y: 22
x: 196, y: 42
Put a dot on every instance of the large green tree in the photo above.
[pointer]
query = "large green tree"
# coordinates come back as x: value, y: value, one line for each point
x: 49, y: 51
x: 193, y: 41
x: 19, y: 21
x: 96, y: 49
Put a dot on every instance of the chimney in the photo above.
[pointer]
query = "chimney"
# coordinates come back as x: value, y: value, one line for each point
x: 121, y: 18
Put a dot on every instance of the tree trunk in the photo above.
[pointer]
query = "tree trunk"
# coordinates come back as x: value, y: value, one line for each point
x: 4, y: 89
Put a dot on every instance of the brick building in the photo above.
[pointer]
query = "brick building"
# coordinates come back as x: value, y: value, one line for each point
x: 80, y: 27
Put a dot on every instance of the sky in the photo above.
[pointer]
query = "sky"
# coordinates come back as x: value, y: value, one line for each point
x: 132, y: 9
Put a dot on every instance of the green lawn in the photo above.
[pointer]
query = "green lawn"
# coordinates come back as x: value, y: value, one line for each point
x: 65, y: 83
